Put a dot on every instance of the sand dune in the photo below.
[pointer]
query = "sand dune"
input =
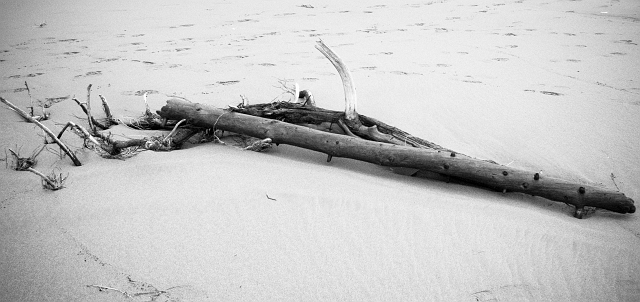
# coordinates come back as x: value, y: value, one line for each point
x: 549, y: 86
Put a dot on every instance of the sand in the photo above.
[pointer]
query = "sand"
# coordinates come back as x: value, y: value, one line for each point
x: 542, y: 85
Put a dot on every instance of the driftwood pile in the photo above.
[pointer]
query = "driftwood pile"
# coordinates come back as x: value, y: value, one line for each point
x: 338, y: 134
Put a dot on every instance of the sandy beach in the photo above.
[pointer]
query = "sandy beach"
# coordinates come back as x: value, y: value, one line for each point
x: 549, y: 86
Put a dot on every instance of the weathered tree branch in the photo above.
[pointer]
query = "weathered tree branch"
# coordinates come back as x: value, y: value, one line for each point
x: 449, y: 163
x: 350, y: 98
x: 46, y: 130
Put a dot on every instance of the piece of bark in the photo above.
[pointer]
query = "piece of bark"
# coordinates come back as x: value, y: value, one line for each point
x: 482, y: 172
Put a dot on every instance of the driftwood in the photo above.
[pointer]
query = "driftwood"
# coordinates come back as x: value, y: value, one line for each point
x: 351, y: 135
x: 29, y: 118
x: 335, y: 133
x: 447, y: 163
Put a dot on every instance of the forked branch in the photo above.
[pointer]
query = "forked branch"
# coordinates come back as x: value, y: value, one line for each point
x: 45, y: 129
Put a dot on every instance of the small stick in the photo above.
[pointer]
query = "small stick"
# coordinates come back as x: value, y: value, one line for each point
x: 46, y: 130
x: 613, y: 178
x: 296, y: 92
x: 44, y: 177
x: 89, y: 117
x: 345, y: 128
x: 86, y: 111
x: 30, y: 99
x: 147, y: 111
x: 105, y: 107
x: 82, y: 129
x: 173, y: 132
x: 101, y: 288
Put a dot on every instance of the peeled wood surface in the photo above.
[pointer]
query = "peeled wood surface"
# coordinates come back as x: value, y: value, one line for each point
x: 478, y: 171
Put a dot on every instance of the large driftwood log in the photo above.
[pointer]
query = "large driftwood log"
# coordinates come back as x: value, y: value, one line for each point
x: 351, y: 135
x: 444, y: 162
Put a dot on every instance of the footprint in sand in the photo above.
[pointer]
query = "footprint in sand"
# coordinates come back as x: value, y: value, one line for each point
x: 398, y: 72
x: 89, y: 74
x: 628, y: 42
x: 551, y: 93
x: 225, y: 83
x: 472, y: 81
x: 183, y: 25
x: 144, y: 62
x: 31, y: 75
x: 106, y: 60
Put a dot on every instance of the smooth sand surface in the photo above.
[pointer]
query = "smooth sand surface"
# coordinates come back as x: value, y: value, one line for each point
x: 542, y: 85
